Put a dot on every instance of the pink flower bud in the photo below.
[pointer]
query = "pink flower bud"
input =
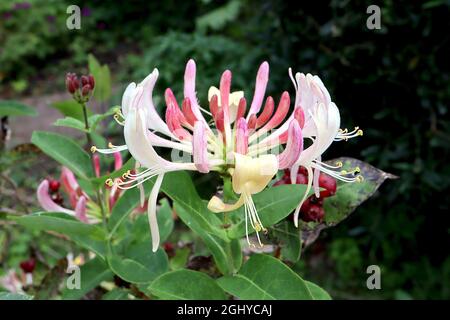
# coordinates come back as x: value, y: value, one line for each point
x: 72, y: 83
x: 91, y: 81
x: 84, y: 80
x: 86, y: 90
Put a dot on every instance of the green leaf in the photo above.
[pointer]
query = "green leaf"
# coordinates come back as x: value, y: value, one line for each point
x: 70, y: 108
x: 116, y: 294
x: 317, y: 292
x: 129, y: 200
x: 102, y: 76
x: 265, y: 278
x: 273, y: 205
x: 87, y: 235
x: 64, y: 150
x: 193, y: 212
x: 289, y: 238
x: 138, y: 264
x: 186, y: 285
x: 71, y: 123
x: 180, y: 259
x: 14, y: 296
x: 92, y: 274
x: 15, y: 108
x: 348, y: 196
x: 179, y: 187
x: 164, y: 217
x: 227, y: 254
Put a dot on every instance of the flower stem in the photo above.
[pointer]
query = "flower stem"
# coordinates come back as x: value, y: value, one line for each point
x: 98, y: 191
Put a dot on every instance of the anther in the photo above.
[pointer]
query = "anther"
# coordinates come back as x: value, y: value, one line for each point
x: 109, y: 182
x: 93, y: 149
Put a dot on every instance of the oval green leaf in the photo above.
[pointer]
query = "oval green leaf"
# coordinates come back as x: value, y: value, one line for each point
x: 65, y: 151
x: 186, y: 285
x: 265, y: 278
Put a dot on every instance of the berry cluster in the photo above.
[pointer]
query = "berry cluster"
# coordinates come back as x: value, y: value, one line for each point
x: 312, y: 208
x: 80, y: 92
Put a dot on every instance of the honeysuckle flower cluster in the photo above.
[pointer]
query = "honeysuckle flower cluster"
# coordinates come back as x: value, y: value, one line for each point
x: 251, y: 146
x: 83, y: 207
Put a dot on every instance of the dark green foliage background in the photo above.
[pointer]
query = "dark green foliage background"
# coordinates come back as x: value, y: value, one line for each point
x: 393, y: 83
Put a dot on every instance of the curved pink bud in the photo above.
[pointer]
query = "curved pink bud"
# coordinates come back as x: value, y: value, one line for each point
x: 187, y: 111
x: 252, y: 122
x: 219, y: 119
x: 262, y: 78
x: 80, y: 210
x: 214, y: 106
x: 46, y: 202
x: 225, y: 87
x: 96, y: 162
x: 299, y: 115
x: 293, y: 148
x: 171, y: 102
x: 280, y: 114
x: 69, y: 182
x: 267, y: 112
x: 117, y: 160
x: 240, y: 113
x: 241, y: 136
x: 174, y: 124
x: 200, y: 147
x: 189, y: 89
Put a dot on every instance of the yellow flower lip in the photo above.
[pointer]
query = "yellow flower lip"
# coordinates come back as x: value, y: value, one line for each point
x: 252, y: 175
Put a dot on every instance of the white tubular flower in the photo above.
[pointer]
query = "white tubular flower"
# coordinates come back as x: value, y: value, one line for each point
x: 234, y: 142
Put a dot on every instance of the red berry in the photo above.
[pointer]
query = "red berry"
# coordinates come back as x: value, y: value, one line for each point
x: 54, y: 185
x: 312, y: 212
x: 28, y: 265
x: 168, y: 246
x: 328, y: 183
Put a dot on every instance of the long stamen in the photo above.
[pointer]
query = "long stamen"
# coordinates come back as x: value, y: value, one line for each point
x: 338, y: 165
x: 246, y: 224
x: 341, y: 175
x: 345, y: 135
x: 112, y: 149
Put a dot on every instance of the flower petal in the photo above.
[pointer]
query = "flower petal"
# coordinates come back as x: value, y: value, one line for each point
x: 80, y: 210
x: 262, y: 78
x: 46, y: 201
x: 293, y: 148
x: 200, y: 148
x: 152, y: 220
